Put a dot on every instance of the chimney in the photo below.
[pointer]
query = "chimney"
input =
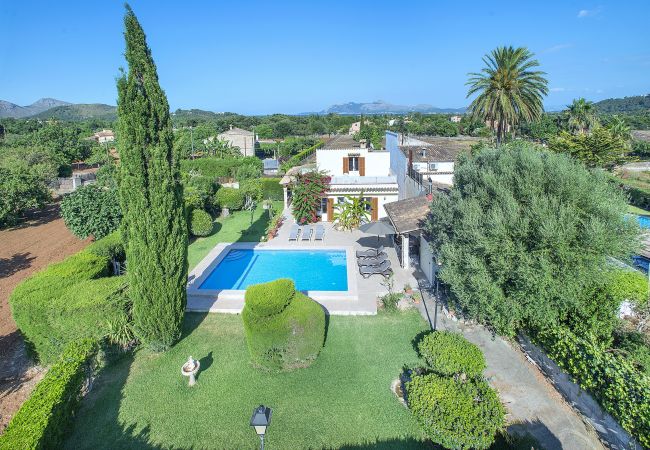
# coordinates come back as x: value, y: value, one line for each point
x: 363, y: 143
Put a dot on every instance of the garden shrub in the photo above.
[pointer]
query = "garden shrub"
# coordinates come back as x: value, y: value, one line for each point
x: 200, y: 223
x: 307, y: 190
x: 454, y: 413
x: 390, y: 300
x: 230, y: 198
x: 110, y: 247
x: 272, y: 189
x: 91, y: 211
x: 448, y: 353
x: 285, y: 329
x: 43, y: 419
x: 619, y: 387
x: 67, y: 301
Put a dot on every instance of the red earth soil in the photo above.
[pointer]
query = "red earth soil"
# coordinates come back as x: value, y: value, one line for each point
x: 36, y: 242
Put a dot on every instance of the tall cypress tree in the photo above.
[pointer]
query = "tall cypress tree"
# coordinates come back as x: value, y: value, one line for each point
x: 154, y: 227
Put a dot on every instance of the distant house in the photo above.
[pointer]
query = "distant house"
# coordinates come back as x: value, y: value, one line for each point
x: 354, y: 128
x: 271, y: 166
x: 237, y: 137
x: 455, y: 119
x: 103, y: 136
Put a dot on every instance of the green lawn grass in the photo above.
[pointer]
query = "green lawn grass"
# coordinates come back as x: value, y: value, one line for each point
x: 343, y: 400
x: 635, y: 210
x: 235, y: 228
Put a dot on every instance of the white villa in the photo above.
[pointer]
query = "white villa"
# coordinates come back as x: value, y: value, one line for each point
x: 355, y: 168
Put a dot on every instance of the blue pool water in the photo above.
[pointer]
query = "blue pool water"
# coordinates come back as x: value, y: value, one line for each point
x: 311, y: 270
x: 644, y: 221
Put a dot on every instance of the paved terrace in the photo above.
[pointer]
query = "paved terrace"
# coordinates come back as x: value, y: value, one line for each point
x: 368, y: 289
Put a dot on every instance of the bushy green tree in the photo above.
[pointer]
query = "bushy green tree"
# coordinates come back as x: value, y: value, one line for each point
x: 154, y: 225
x: 455, y: 413
x: 91, y: 211
x: 600, y: 148
x: 21, y: 188
x: 524, y: 235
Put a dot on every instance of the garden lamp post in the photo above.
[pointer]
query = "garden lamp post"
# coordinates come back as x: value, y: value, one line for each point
x: 430, y: 186
x: 261, y: 419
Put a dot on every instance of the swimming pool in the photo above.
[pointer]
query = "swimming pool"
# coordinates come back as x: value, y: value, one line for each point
x: 311, y: 270
x: 644, y: 221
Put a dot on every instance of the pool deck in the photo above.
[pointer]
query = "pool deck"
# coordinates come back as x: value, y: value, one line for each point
x: 362, y: 294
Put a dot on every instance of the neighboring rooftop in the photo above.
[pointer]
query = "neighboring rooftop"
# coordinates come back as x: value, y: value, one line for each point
x: 641, y: 135
x: 343, y: 142
x: 238, y: 131
x: 409, y: 214
x: 437, y: 148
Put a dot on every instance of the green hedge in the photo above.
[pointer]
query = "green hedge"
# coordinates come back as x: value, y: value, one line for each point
x: 298, y: 157
x: 110, y: 247
x: 69, y: 300
x: 285, y: 329
x: 448, y: 353
x: 455, y: 413
x: 271, y: 189
x: 229, y: 198
x: 219, y: 167
x: 637, y: 196
x: 619, y: 387
x: 44, y: 418
x: 200, y: 223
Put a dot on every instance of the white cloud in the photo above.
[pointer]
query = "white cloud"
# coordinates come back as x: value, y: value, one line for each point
x: 589, y: 12
x: 556, y: 48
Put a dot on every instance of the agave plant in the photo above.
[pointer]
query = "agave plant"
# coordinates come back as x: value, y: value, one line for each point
x: 352, y: 212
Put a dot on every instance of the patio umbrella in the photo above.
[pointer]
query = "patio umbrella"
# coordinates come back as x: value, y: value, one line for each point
x: 378, y: 227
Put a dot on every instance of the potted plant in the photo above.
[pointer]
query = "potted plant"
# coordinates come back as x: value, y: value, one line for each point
x: 408, y: 290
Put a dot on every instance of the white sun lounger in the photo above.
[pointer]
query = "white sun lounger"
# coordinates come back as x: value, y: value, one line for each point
x: 319, y: 235
x: 293, y: 234
x: 306, y: 233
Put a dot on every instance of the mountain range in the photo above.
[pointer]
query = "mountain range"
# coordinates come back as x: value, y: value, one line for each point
x: 382, y: 107
x: 8, y: 109
x: 51, y: 108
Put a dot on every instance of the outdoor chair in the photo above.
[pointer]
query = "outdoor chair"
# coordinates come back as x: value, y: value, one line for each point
x: 306, y: 233
x: 319, y: 234
x: 293, y: 233
x: 370, y: 253
x: 373, y: 261
x: 382, y: 269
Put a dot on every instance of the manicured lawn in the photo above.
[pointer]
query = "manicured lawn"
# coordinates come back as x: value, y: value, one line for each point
x: 635, y: 210
x: 342, y: 401
x: 235, y: 228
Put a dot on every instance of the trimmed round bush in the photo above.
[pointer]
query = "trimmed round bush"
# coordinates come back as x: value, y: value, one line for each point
x: 267, y: 299
x: 200, y: 223
x: 448, y: 353
x: 285, y: 329
x: 110, y: 247
x: 230, y: 198
x: 456, y: 414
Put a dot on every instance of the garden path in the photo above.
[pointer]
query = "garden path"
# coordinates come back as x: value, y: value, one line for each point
x: 532, y: 402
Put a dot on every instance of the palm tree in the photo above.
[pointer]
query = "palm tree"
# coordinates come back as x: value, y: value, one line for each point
x: 581, y: 116
x: 509, y: 90
x: 352, y: 212
x: 619, y: 128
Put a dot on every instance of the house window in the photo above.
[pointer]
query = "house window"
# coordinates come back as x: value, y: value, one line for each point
x: 353, y: 163
x: 368, y: 204
x: 340, y: 200
x: 323, y: 206
x: 433, y: 167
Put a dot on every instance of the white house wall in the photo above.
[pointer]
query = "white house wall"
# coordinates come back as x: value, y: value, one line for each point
x: 382, y: 199
x: 426, y: 259
x: 331, y: 161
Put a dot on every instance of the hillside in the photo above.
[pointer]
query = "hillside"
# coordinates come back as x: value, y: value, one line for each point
x: 79, y: 111
x: 381, y: 107
x: 8, y: 109
x: 638, y: 103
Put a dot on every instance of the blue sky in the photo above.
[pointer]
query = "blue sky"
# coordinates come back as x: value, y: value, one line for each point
x: 275, y: 56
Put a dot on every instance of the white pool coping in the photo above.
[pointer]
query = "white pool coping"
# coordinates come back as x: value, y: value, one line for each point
x: 232, y: 301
